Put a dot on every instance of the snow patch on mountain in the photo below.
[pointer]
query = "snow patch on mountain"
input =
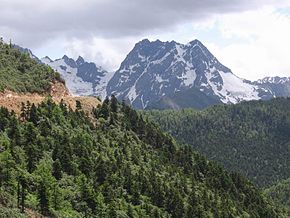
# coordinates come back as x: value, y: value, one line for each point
x: 82, y: 78
x: 75, y: 84
x: 100, y: 89
x: 153, y: 70
x: 273, y: 80
x: 234, y: 89
x: 156, y: 69
x: 188, y: 77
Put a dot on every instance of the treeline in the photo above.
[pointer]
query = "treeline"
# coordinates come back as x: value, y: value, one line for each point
x: 62, y: 163
x: 251, y: 137
x: 19, y: 73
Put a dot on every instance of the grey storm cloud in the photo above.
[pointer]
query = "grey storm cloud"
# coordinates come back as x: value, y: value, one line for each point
x: 34, y: 21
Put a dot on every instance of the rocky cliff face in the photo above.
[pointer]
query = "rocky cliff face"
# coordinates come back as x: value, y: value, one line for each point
x: 156, y: 69
x: 166, y: 75
x: 277, y: 86
x: 82, y: 78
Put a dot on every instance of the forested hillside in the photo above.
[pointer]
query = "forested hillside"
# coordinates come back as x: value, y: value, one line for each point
x: 280, y: 193
x: 251, y: 137
x: 19, y: 73
x: 62, y: 164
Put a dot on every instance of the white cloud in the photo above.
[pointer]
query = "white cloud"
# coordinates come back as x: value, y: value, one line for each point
x: 107, y: 53
x: 258, y: 43
x: 251, y: 40
x: 254, y: 44
x: 34, y: 22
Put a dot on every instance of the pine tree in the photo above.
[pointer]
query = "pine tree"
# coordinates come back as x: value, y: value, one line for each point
x: 23, y: 194
x: 33, y: 117
x: 57, y: 173
x: 78, y: 105
x: 32, y: 156
x: 23, y: 113
x: 43, y: 199
x: 104, y: 111
x: 114, y: 104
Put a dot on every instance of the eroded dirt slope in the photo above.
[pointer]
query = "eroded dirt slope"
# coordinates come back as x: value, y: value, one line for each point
x: 13, y: 101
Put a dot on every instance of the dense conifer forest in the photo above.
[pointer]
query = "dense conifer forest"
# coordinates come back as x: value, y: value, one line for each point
x: 252, y: 138
x: 113, y: 162
x: 280, y: 193
x: 62, y: 163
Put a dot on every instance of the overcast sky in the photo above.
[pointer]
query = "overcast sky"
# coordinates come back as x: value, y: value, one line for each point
x: 252, y: 37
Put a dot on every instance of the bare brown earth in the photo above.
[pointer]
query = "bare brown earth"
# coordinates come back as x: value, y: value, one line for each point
x: 33, y: 214
x: 13, y: 100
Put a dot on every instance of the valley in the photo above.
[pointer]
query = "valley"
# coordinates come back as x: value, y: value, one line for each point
x: 144, y: 109
x: 66, y: 154
x: 250, y: 137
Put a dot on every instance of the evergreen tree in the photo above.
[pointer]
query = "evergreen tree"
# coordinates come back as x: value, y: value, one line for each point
x: 78, y: 105
x: 69, y: 165
x: 43, y: 199
x: 104, y: 111
x: 57, y: 172
x: 33, y: 117
x: 114, y: 104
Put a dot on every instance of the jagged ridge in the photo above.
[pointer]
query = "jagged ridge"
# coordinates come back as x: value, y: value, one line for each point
x: 156, y: 69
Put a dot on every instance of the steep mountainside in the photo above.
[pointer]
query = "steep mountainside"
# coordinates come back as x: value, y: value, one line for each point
x: 189, y: 98
x: 23, y: 78
x: 14, y: 101
x: 82, y: 78
x: 165, y: 75
x: 278, y: 86
x: 280, y: 193
x: 20, y: 73
x: 57, y: 162
x: 251, y: 137
x: 27, y: 51
x: 156, y: 69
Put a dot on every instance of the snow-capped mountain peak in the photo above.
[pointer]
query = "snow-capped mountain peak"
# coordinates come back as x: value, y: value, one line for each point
x: 175, y: 74
x: 80, y: 60
x: 156, y: 69
x: 275, y: 80
x: 46, y: 59
x: 81, y: 77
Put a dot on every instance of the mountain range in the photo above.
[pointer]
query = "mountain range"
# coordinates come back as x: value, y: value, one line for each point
x: 163, y: 75
x: 111, y: 161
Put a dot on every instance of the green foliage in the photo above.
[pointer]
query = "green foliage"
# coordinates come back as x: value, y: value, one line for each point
x: 280, y: 193
x: 252, y: 138
x: 63, y: 164
x: 189, y: 98
x: 11, y: 213
x: 19, y: 73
